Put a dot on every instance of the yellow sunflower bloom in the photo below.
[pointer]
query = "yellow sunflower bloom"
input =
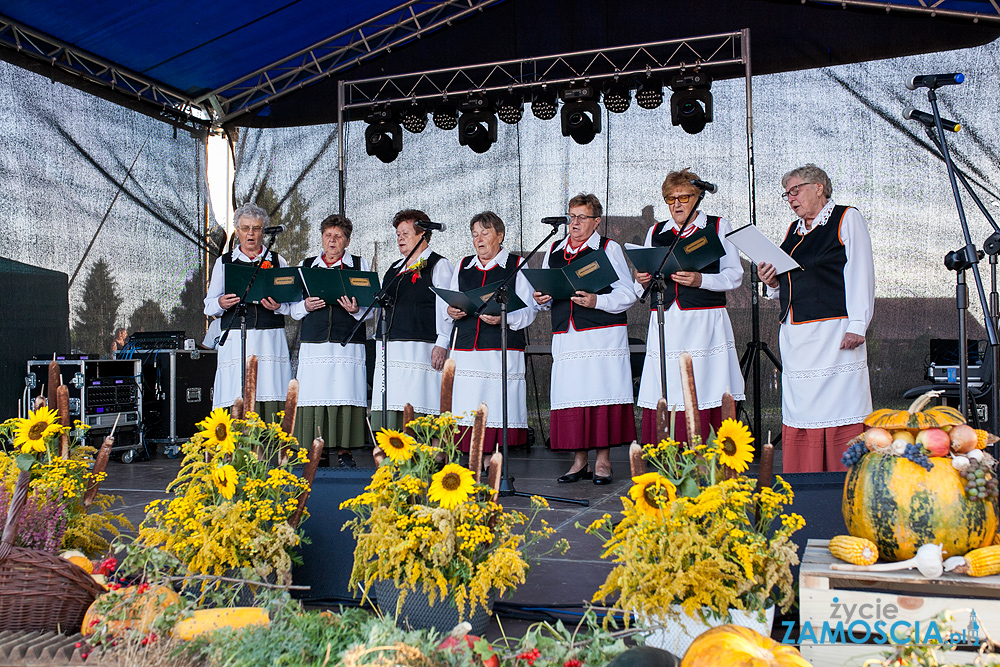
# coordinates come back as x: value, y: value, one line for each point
x: 32, y: 432
x: 451, y: 486
x: 733, y: 441
x: 651, y: 493
x: 397, y: 446
x: 225, y: 478
x: 217, y: 431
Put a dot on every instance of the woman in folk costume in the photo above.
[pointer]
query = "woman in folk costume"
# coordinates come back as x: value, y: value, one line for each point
x: 694, y: 319
x: 826, y: 307
x: 591, y: 393
x: 265, y: 322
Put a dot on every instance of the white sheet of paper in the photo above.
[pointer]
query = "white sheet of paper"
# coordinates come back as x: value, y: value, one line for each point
x: 759, y: 248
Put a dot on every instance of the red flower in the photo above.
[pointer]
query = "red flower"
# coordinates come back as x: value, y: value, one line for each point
x: 266, y: 264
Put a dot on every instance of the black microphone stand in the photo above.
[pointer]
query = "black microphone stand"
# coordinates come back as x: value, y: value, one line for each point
x: 383, y: 299
x: 658, y: 285
x: 241, y: 309
x: 992, y: 247
x: 959, y: 261
x: 502, y: 297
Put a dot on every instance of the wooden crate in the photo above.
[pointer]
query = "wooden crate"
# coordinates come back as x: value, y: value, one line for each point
x: 827, y: 595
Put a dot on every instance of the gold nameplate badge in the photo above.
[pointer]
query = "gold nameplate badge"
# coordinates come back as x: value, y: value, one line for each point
x: 590, y: 268
x: 694, y: 245
x: 486, y: 297
x: 285, y: 280
x: 360, y: 282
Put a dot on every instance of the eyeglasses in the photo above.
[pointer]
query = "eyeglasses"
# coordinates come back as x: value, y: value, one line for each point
x: 256, y: 229
x: 794, y: 191
x: 681, y: 198
x: 581, y: 218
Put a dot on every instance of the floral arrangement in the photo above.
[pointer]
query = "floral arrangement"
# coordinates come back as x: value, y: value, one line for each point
x: 425, y: 523
x: 236, y: 501
x: 58, y: 513
x: 692, y: 539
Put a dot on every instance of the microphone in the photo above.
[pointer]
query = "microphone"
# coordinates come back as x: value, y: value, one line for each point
x: 909, y: 113
x: 556, y: 220
x: 935, y: 80
x: 711, y: 188
x: 431, y: 226
x: 276, y: 229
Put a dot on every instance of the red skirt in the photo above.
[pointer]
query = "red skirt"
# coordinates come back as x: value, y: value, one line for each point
x: 816, y: 449
x: 711, y: 418
x: 595, y: 427
x: 494, y: 439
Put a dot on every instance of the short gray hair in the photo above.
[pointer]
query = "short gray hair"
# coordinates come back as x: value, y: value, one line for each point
x: 252, y: 211
x: 810, y: 173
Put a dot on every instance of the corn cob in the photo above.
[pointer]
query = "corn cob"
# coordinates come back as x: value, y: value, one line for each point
x: 855, y: 550
x: 983, y: 562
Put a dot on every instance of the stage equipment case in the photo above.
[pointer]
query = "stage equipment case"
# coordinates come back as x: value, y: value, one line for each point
x: 178, y: 388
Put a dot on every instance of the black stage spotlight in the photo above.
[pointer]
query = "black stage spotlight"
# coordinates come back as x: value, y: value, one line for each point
x: 581, y: 114
x: 445, y: 116
x: 510, y: 108
x: 413, y: 118
x: 544, y: 104
x: 650, y: 95
x: 691, y: 103
x: 617, y: 97
x: 383, y: 137
x: 477, y: 126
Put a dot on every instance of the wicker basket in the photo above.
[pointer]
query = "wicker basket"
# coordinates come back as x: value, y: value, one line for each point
x: 39, y: 591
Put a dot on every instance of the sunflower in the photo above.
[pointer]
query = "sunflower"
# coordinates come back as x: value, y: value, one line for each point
x: 451, y: 486
x: 32, y: 432
x: 651, y: 493
x: 217, y: 431
x: 225, y: 478
x: 397, y: 446
x: 733, y: 440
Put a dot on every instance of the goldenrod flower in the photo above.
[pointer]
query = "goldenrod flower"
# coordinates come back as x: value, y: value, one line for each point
x: 31, y: 432
x: 217, y: 431
x: 397, y: 446
x: 225, y: 478
x: 451, y: 486
x: 733, y: 441
x: 651, y: 493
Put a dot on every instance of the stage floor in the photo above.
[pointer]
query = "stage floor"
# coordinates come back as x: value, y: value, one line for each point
x: 569, y: 579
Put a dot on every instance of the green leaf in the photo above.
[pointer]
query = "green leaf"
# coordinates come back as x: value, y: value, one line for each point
x: 25, y: 461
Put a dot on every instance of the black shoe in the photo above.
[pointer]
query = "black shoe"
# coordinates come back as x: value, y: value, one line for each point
x: 346, y: 460
x: 570, y: 477
x: 601, y: 480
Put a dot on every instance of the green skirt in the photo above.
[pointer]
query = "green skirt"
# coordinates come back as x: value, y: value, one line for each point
x: 342, y: 426
x: 269, y: 409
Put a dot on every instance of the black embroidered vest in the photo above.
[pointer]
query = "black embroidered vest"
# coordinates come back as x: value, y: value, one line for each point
x: 473, y: 333
x: 333, y: 322
x: 565, y: 311
x: 258, y: 317
x: 688, y: 298
x: 817, y: 291
x: 413, y: 315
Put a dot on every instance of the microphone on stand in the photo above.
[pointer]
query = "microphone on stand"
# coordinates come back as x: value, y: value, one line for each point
x: 556, y: 220
x: 909, y: 113
x: 431, y: 226
x: 276, y: 229
x: 711, y: 188
x: 935, y: 80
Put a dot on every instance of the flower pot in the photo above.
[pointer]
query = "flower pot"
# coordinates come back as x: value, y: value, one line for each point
x: 418, y: 614
x: 676, y: 634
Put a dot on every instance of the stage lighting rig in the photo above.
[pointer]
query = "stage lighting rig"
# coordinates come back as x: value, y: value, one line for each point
x: 445, y: 115
x: 617, y: 97
x: 477, y: 126
x: 544, y: 104
x: 691, y: 103
x: 581, y: 114
x: 413, y: 118
x: 650, y: 94
x: 383, y: 136
x: 510, y: 108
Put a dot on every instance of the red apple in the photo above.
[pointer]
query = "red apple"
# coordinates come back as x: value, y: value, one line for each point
x: 935, y: 441
x: 451, y: 642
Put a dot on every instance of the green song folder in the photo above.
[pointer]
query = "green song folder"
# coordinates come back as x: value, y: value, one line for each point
x: 281, y: 284
x: 692, y: 253
x: 469, y: 302
x: 591, y: 273
x: 331, y: 284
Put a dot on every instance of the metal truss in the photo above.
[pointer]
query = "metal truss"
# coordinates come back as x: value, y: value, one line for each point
x: 724, y: 49
x: 933, y: 8
x: 173, y: 104
x: 342, y: 51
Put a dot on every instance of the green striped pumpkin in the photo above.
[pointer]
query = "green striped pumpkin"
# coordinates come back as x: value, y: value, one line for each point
x: 900, y: 506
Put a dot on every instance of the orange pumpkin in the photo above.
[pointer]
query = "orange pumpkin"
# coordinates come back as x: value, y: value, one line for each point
x: 134, y: 607
x: 916, y: 418
x: 736, y: 645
